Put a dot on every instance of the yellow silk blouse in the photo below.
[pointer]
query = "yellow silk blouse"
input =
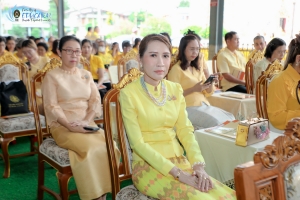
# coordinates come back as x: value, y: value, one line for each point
x: 188, y: 79
x: 95, y: 64
x: 282, y: 104
x: 150, y: 128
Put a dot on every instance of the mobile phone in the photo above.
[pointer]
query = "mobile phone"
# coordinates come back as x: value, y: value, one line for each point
x: 91, y: 128
x: 210, y: 79
x: 106, y: 66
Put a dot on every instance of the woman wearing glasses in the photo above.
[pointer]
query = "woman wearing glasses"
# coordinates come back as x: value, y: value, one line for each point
x: 71, y: 101
x: 282, y: 103
x: 192, y: 79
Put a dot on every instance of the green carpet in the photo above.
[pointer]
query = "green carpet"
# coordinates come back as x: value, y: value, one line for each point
x: 22, y: 183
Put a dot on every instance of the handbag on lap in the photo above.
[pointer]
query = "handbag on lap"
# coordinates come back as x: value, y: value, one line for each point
x: 252, y: 131
x: 13, y: 98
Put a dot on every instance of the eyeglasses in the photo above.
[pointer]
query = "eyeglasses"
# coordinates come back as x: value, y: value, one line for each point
x: 70, y: 52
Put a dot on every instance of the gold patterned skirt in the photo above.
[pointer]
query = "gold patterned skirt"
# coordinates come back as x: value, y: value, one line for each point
x: 152, y: 183
x: 88, y: 159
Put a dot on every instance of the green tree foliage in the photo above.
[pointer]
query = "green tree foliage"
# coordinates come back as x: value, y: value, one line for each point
x: 18, y: 31
x: 138, y: 17
x: 36, y: 32
x: 184, y: 4
x: 155, y: 25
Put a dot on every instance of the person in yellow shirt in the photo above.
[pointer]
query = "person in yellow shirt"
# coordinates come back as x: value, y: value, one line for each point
x: 11, y: 44
x: 275, y: 50
x: 96, y: 66
x: 136, y: 45
x: 2, y: 46
x: 35, y: 62
x: 115, y: 49
x: 107, y: 60
x: 259, y: 45
x: 231, y: 64
x: 54, y: 53
x: 89, y: 33
x: 155, y: 119
x: 282, y: 102
x: 126, y: 46
x: 189, y: 75
x: 95, y: 35
x: 18, y: 53
x: 42, y: 49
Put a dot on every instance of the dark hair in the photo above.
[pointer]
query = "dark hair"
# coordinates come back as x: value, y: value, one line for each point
x: 43, y: 44
x: 55, y: 46
x: 31, y: 38
x: 258, y: 38
x: 167, y: 35
x: 65, y: 39
x: 181, y: 56
x: 153, y: 37
x: 136, y: 42
x: 89, y: 28
x: 86, y: 41
x: 2, y: 39
x: 272, y: 46
x: 36, y: 39
x: 9, y: 38
x: 29, y: 43
x: 113, y: 44
x: 191, y: 32
x: 293, y: 51
x: 96, y: 46
x: 229, y: 35
x: 125, y: 43
x: 19, y: 43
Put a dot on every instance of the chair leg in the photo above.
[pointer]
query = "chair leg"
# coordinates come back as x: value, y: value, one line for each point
x: 63, y: 180
x: 4, y: 145
x: 32, y: 142
x: 41, y: 177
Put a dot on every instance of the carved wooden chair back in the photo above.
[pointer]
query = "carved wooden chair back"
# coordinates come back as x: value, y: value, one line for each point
x: 49, y: 152
x: 12, y: 69
x: 129, y: 61
x: 257, y: 56
x: 115, y: 132
x: 274, y: 171
x: 261, y: 89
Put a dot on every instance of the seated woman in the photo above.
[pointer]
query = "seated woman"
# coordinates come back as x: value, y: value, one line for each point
x: 188, y: 74
x: 18, y: 53
x: 42, y: 49
x: 71, y: 102
x: 96, y: 65
x: 10, y: 44
x: 282, y: 103
x: 54, y: 53
x: 135, y: 47
x: 35, y: 62
x: 151, y: 108
x: 275, y: 50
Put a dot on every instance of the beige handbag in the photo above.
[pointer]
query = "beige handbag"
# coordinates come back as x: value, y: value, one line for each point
x: 252, y: 131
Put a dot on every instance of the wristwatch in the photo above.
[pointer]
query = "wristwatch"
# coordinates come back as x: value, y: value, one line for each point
x: 178, y: 174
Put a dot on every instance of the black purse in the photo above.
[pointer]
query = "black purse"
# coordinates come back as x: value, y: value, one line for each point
x: 13, y: 98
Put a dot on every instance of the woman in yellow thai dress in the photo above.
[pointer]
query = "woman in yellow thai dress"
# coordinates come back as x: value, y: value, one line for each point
x: 151, y: 108
x: 282, y: 103
x: 71, y: 102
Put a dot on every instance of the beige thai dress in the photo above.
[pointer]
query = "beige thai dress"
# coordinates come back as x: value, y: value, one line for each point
x: 72, y: 96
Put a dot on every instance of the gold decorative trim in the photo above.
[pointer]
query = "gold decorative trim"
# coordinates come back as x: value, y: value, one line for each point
x: 9, y: 58
x: 273, y: 68
x: 257, y: 56
x: 283, y: 147
x: 132, y: 75
x: 53, y: 63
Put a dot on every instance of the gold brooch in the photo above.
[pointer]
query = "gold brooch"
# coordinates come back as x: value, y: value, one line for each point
x: 171, y: 98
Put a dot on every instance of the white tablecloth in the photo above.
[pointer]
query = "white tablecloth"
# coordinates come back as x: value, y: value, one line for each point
x: 241, y: 108
x: 222, y: 155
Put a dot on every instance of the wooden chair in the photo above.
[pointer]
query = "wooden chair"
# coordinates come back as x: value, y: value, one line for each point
x: 215, y: 69
x: 274, y: 172
x: 261, y: 90
x: 49, y: 152
x: 114, y: 131
x: 257, y: 56
x: 12, y: 69
x: 129, y: 61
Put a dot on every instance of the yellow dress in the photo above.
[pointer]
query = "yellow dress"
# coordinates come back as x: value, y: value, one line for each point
x: 106, y: 58
x: 72, y: 96
x: 95, y: 64
x: 39, y: 65
x: 118, y: 57
x: 24, y: 59
x: 53, y: 55
x: 156, y: 150
x: 282, y: 104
